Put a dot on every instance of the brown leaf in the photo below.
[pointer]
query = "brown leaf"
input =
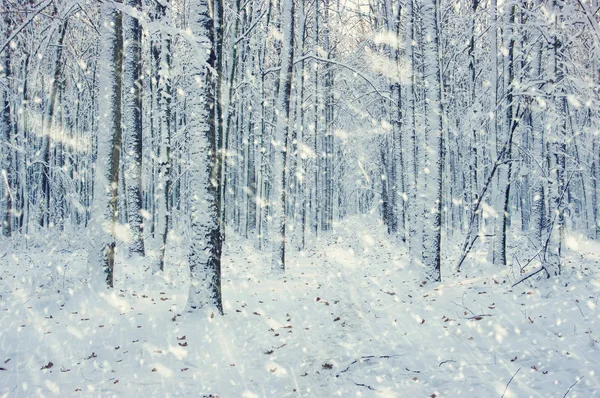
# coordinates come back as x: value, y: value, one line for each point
x: 422, y: 321
x: 116, y: 381
x: 514, y: 359
x: 184, y: 344
x: 184, y: 369
x: 269, y: 352
x: 50, y: 364
x: 181, y: 338
x: 256, y: 313
x: 336, y: 319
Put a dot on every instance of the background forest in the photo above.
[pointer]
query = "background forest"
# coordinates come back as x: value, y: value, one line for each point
x: 178, y: 139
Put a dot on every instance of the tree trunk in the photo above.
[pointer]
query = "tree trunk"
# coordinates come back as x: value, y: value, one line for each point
x: 431, y: 253
x: 281, y: 139
x: 132, y: 122
x: 205, y: 174
x: 106, y: 184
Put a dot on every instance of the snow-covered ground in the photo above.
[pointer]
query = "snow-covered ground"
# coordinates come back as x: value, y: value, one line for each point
x: 349, y: 318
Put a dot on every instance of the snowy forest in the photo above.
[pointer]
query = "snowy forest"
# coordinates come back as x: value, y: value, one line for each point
x: 271, y: 198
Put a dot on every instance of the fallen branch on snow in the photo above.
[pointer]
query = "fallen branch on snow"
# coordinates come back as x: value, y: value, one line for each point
x: 366, y: 359
x: 529, y: 275
x: 572, y: 385
x: 507, y: 384
x: 365, y: 385
x: 443, y: 362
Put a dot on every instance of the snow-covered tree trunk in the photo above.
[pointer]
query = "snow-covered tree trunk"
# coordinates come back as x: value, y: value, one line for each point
x: 281, y: 138
x: 431, y: 254
x: 109, y: 140
x: 328, y: 139
x: 412, y: 154
x: 47, y: 171
x: 508, y: 127
x: 205, y: 174
x: 6, y: 154
x: 132, y: 124
x: 164, y: 161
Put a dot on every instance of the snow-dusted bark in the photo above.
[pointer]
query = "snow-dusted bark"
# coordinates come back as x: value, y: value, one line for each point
x: 507, y: 132
x: 281, y: 138
x: 6, y: 201
x: 434, y: 145
x: 109, y: 141
x: 328, y: 150
x: 163, y: 189
x: 132, y: 125
x: 48, y: 134
x: 205, y: 174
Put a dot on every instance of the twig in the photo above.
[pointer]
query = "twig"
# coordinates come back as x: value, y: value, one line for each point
x: 366, y: 358
x: 443, y: 362
x: 511, y: 379
x: 584, y: 318
x: 478, y: 316
x: 365, y: 385
x: 542, y: 268
x: 39, y: 8
x: 572, y: 385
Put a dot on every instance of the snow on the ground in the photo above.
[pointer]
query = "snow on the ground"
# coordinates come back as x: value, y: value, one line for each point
x: 349, y: 318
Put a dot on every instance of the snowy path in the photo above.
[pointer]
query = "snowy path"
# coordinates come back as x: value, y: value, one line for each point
x: 351, y: 319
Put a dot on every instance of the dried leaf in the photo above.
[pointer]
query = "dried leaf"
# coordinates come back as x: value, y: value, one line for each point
x: 50, y: 364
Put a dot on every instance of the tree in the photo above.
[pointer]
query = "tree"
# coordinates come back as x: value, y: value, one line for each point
x: 431, y: 253
x: 281, y: 138
x: 205, y: 173
x: 132, y: 125
x: 106, y: 193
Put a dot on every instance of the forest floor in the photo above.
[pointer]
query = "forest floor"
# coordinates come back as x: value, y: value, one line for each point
x: 349, y: 318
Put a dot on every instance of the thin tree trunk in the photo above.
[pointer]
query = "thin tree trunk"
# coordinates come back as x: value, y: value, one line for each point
x: 281, y: 139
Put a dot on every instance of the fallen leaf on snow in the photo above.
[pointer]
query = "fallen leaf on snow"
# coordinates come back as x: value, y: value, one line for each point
x: 50, y: 364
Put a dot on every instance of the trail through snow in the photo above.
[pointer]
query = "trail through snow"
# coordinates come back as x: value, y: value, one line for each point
x: 351, y: 318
